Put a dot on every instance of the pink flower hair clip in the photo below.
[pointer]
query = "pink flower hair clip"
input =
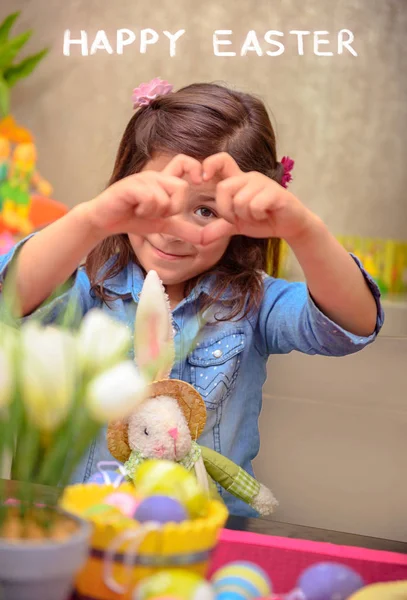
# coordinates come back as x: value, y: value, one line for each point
x: 288, y: 165
x: 145, y: 93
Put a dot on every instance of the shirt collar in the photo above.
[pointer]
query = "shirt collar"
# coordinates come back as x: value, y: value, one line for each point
x: 129, y: 281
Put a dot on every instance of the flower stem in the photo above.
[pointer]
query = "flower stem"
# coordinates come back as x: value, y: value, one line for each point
x: 18, y: 428
x: 3, y: 454
x: 50, y: 471
x: 88, y: 433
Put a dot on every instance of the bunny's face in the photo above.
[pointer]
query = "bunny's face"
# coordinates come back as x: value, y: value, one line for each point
x: 158, y: 429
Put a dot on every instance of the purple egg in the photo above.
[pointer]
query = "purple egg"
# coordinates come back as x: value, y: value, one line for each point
x: 329, y: 581
x: 106, y: 478
x: 160, y: 509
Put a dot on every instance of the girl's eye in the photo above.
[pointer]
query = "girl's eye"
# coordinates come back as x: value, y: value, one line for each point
x: 145, y: 431
x: 205, y: 212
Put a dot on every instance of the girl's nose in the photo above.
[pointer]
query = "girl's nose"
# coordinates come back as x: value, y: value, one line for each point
x: 171, y: 238
x: 173, y: 433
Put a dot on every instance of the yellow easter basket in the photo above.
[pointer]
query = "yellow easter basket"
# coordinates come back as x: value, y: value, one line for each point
x: 123, y: 551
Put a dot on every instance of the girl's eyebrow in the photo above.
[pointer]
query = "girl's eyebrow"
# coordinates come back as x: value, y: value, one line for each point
x: 206, y: 198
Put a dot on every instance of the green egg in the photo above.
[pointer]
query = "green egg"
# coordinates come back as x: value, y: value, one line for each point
x: 98, y: 509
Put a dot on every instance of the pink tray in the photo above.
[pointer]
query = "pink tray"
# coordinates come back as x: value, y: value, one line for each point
x: 284, y: 559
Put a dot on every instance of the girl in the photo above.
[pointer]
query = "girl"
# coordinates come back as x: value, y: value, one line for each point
x: 196, y: 192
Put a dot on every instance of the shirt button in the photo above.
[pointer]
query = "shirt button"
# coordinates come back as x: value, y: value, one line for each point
x: 217, y: 353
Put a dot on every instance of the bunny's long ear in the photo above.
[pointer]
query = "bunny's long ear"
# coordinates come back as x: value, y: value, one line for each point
x: 154, y: 349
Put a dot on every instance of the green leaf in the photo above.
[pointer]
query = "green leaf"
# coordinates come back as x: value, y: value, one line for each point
x: 10, y: 49
x: 24, y: 68
x: 6, y: 25
x: 10, y: 305
x: 4, y: 98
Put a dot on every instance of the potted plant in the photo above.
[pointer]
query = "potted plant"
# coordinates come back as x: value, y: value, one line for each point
x: 58, y: 388
x: 12, y: 71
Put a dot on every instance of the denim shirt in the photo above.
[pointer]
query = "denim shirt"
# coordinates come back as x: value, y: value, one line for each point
x: 228, y: 364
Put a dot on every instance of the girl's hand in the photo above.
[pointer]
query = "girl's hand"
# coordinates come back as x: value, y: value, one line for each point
x: 146, y: 202
x: 252, y: 204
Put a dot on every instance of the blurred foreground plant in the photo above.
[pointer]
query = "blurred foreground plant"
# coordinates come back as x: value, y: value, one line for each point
x: 58, y: 388
x: 61, y: 384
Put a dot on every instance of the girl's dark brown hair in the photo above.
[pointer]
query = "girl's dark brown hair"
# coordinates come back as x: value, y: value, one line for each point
x: 200, y: 120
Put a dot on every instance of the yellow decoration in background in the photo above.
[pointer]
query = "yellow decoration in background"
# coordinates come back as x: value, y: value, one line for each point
x: 277, y: 256
x: 18, y: 178
x: 5, y: 152
x: 385, y: 260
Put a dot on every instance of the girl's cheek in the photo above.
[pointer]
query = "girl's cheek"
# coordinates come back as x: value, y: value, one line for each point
x: 195, y: 219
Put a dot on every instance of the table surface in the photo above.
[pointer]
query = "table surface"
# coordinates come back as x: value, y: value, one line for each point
x: 269, y: 526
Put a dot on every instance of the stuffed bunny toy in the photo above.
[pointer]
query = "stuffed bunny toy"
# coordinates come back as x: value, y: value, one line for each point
x: 168, y: 423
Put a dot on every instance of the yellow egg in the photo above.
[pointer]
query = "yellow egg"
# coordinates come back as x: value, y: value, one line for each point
x: 382, y: 591
x: 168, y: 478
x: 180, y: 583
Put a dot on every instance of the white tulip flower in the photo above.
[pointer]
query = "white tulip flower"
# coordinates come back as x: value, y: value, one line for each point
x: 102, y: 342
x: 6, y: 379
x: 115, y: 394
x: 48, y: 374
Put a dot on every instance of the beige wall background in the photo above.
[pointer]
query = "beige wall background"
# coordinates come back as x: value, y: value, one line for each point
x: 333, y: 431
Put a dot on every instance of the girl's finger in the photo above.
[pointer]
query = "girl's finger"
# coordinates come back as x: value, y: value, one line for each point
x: 243, y: 198
x: 225, y: 192
x: 177, y: 190
x: 179, y: 228
x: 221, y: 164
x: 182, y: 165
x: 217, y: 230
x: 182, y: 229
x: 159, y: 206
x: 135, y: 192
x: 261, y: 206
x: 139, y: 228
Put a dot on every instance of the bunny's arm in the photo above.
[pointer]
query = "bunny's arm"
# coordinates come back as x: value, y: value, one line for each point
x: 238, y: 482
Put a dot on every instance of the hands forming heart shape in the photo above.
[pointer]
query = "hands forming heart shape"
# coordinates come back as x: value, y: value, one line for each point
x: 245, y: 202
x: 249, y: 204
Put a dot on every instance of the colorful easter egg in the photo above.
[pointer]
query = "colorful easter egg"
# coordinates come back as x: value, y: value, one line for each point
x: 107, y: 478
x: 160, y: 509
x: 382, y: 591
x: 12, y: 502
x: 166, y: 598
x: 179, y: 583
x: 98, y: 509
x: 329, y: 580
x: 109, y: 514
x: 164, y: 477
x: 241, y: 581
x: 126, y: 503
x: 232, y: 595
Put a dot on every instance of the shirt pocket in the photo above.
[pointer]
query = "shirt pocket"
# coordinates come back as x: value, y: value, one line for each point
x: 214, y: 366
